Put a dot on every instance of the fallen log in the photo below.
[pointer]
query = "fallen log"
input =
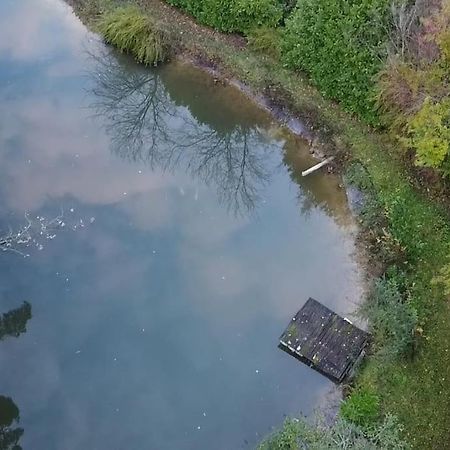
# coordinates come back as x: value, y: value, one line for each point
x: 317, y: 166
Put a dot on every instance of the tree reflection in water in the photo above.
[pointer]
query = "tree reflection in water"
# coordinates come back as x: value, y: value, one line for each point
x: 9, y: 416
x: 12, y: 323
x: 146, y: 125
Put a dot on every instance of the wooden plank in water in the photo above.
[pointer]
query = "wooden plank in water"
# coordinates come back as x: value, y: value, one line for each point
x: 323, y: 340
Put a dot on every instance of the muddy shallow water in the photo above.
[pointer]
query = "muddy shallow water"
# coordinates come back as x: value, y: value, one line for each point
x: 189, y: 240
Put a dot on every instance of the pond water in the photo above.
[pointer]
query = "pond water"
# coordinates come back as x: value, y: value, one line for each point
x: 167, y: 239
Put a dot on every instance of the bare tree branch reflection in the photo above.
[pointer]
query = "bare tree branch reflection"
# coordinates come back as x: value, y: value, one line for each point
x: 145, y: 125
x: 136, y: 107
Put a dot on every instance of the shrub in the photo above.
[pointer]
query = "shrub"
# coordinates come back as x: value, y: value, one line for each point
x: 413, y: 90
x: 131, y: 31
x: 265, y: 40
x: 287, y: 438
x: 398, y: 93
x: 233, y: 15
x: 256, y: 13
x: 429, y: 135
x: 342, y: 434
x: 392, y: 318
x: 361, y: 408
x: 341, y: 45
x: 444, y: 46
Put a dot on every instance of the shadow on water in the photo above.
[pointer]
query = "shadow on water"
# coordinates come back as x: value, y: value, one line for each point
x: 179, y: 117
x: 12, y: 324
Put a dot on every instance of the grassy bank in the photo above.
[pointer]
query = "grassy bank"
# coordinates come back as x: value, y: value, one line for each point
x: 406, y: 233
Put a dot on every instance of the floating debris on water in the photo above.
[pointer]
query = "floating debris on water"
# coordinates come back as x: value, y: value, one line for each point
x: 35, y: 232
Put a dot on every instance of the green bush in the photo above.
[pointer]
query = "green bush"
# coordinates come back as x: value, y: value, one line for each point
x: 413, y: 90
x: 429, y: 135
x: 233, y: 15
x: 287, y: 438
x: 392, y: 318
x: 361, y: 408
x: 342, y: 434
x: 131, y: 31
x: 341, y: 45
x: 265, y: 40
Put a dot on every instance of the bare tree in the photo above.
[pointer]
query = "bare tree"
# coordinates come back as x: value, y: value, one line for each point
x: 408, y: 30
x: 404, y: 17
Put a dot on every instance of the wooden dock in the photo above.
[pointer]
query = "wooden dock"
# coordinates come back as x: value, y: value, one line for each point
x: 324, y: 341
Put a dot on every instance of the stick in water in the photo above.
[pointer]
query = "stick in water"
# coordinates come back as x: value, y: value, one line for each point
x: 317, y: 166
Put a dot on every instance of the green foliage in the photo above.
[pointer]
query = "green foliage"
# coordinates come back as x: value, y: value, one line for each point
x: 411, y: 235
x: 362, y: 407
x: 373, y: 218
x: 392, y: 318
x: 339, y: 43
x: 398, y: 93
x: 265, y: 40
x: 444, y: 45
x: 233, y: 15
x: 287, y: 438
x: 132, y: 31
x: 429, y: 135
x: 413, y: 90
x: 443, y: 279
x: 342, y: 434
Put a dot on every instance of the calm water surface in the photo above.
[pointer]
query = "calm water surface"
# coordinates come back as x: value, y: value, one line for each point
x: 189, y: 240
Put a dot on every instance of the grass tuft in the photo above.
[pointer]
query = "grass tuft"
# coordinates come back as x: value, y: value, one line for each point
x: 134, y: 32
x: 362, y: 407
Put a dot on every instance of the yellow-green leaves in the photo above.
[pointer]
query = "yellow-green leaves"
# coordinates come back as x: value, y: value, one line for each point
x: 132, y: 31
x: 429, y: 134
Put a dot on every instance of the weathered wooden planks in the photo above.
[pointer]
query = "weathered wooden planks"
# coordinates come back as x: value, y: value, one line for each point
x: 323, y: 340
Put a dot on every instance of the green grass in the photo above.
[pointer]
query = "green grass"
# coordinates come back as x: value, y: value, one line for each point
x: 362, y: 407
x: 134, y: 32
x: 415, y: 389
x: 403, y: 227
